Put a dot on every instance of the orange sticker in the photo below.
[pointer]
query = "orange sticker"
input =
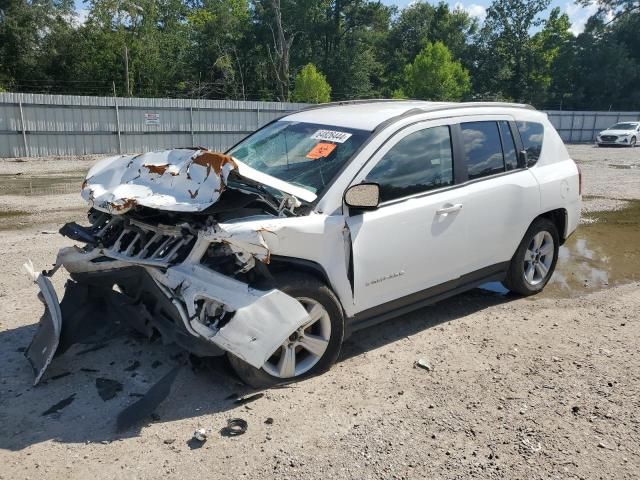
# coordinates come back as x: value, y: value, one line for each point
x: 321, y: 150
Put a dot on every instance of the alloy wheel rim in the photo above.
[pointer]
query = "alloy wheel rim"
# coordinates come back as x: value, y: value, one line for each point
x: 305, y: 347
x: 538, y: 258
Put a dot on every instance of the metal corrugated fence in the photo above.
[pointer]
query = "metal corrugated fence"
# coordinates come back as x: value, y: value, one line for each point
x: 581, y: 127
x: 40, y: 125
x: 34, y: 125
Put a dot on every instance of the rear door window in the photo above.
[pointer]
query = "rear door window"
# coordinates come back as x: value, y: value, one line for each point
x: 531, y: 134
x: 482, y: 149
x: 508, y: 146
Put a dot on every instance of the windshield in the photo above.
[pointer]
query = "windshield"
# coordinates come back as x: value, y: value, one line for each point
x: 623, y: 126
x: 303, y: 154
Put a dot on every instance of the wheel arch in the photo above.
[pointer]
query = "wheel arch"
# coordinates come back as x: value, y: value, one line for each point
x: 559, y: 218
x: 280, y: 263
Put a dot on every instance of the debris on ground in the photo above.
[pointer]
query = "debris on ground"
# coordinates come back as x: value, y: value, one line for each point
x: 198, y: 439
x: 235, y: 427
x: 108, y: 388
x: 60, y: 405
x: 200, y: 435
x: 147, y: 405
x: 132, y: 367
x: 95, y: 348
x: 249, y: 399
x: 269, y: 421
x: 422, y: 363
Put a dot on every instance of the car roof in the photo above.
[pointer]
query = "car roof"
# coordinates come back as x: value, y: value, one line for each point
x: 369, y: 114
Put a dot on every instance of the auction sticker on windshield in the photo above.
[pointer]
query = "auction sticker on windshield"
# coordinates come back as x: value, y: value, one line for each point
x: 331, y: 136
x: 321, y: 150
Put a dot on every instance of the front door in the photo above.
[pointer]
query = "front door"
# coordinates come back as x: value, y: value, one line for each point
x: 417, y: 236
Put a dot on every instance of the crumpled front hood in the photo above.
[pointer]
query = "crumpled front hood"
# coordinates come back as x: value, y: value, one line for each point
x: 179, y: 180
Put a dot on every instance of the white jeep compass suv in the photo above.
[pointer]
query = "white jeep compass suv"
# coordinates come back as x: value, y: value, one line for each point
x: 322, y: 222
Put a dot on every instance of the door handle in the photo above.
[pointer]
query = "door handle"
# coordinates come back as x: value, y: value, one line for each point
x: 448, y: 208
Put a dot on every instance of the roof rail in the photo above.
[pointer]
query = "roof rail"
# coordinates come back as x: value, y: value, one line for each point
x: 433, y: 109
x: 451, y: 106
x: 356, y: 102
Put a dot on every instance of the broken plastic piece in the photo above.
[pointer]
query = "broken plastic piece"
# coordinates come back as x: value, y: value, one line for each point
x: 45, y: 341
x: 144, y: 407
x: 60, y: 405
x: 77, y: 232
x: 422, y: 363
x: 249, y: 399
x: 200, y: 435
x: 107, y: 388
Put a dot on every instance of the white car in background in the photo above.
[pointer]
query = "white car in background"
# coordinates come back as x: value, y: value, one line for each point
x: 624, y: 134
x: 322, y: 222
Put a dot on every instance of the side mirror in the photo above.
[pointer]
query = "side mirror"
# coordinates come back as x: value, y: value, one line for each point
x: 523, y: 159
x: 364, y: 196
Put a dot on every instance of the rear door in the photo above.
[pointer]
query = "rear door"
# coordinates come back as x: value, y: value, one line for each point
x: 417, y: 236
x: 501, y: 194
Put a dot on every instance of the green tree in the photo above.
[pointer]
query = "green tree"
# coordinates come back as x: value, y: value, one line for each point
x: 311, y: 86
x: 605, y: 66
x: 34, y: 36
x: 550, y: 51
x: 505, y: 51
x: 418, y: 24
x: 618, y: 8
x: 435, y: 75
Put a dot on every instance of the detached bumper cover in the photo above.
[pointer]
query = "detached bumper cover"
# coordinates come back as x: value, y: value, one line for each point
x: 44, y: 344
x: 252, y: 324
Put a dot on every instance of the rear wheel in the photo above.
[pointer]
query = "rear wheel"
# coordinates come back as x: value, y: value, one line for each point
x: 535, y: 259
x: 312, y: 348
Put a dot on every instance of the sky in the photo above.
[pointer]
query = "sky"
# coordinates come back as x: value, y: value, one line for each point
x: 577, y: 15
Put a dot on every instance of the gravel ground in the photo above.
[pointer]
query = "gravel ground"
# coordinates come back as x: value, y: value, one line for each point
x: 542, y: 388
x: 610, y: 176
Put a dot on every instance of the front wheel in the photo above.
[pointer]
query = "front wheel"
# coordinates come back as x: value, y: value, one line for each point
x: 632, y: 142
x: 311, y: 349
x: 535, y: 259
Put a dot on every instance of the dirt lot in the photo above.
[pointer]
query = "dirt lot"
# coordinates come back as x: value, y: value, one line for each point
x: 547, y: 387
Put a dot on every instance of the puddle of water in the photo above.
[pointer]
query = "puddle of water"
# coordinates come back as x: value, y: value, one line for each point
x: 12, y: 213
x: 598, y: 255
x: 12, y: 218
x: 51, y: 184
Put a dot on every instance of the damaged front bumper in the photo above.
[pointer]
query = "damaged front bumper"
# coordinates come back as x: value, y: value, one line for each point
x: 136, y: 283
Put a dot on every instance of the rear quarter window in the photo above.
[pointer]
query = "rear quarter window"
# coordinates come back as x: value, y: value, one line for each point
x: 532, y: 134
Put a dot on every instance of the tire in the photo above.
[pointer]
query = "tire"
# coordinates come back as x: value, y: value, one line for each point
x: 528, y: 277
x: 311, y: 292
x: 632, y: 142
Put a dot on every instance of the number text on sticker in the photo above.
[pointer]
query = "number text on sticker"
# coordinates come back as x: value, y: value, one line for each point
x: 331, y: 136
